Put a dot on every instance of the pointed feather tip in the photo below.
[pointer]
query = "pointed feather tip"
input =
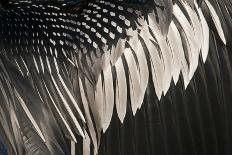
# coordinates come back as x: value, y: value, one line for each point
x: 186, y: 83
x: 216, y: 21
x: 72, y: 98
x: 29, y: 115
x: 72, y: 137
x: 134, y: 110
x: 159, y: 95
x: 81, y: 132
x: 105, y: 127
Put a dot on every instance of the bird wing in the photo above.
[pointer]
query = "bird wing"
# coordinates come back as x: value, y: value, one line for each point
x: 72, y: 62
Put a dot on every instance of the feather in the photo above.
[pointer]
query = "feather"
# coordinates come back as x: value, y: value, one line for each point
x: 216, y: 21
x: 63, y: 61
x: 165, y: 56
x: 89, y: 121
x: 141, y: 61
x: 73, y: 148
x: 75, y: 122
x: 63, y: 123
x: 134, y: 80
x: 117, y: 52
x: 32, y: 141
x: 99, y: 103
x: 72, y: 98
x: 86, y: 145
x: 120, y: 90
x: 108, y: 97
x: 157, y: 67
x: 205, y: 34
x: 180, y: 53
x: 187, y: 33
x: 28, y: 113
x: 175, y: 45
x: 197, y: 31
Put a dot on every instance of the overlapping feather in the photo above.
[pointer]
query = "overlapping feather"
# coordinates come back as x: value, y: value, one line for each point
x: 148, y: 51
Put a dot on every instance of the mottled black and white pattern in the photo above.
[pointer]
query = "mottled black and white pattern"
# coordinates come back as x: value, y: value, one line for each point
x: 70, y: 69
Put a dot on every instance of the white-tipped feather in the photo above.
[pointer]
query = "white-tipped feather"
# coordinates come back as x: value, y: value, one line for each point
x: 67, y: 127
x: 29, y: 115
x: 48, y: 64
x: 142, y: 65
x: 108, y: 100
x: 72, y: 98
x: 189, y: 37
x: 197, y: 31
x: 176, y: 47
x: 121, y: 90
x: 116, y: 53
x: 35, y: 63
x: 165, y: 56
x: 97, y: 107
x: 74, y: 119
x: 19, y: 68
x: 175, y: 41
x: 134, y: 80
x: 41, y: 62
x: 205, y: 34
x: 56, y: 65
x: 157, y: 67
x: 216, y: 21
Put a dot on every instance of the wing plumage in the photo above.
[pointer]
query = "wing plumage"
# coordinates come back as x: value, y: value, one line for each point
x: 67, y: 66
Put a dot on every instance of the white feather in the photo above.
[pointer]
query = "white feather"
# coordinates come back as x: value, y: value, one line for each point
x: 108, y: 100
x: 216, y: 21
x: 121, y: 90
x: 86, y: 144
x: 205, y: 34
x: 197, y: 31
x: 75, y: 122
x: 97, y: 107
x: 118, y: 50
x: 189, y: 36
x: 73, y: 148
x: 166, y: 56
x: 176, y: 41
x: 134, y: 80
x: 157, y: 67
x: 142, y: 65
x: 72, y: 98
x: 67, y: 127
x: 177, y: 50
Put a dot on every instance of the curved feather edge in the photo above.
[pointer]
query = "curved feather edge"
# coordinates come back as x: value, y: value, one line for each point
x: 120, y: 90
x: 205, y: 34
x: 165, y: 55
x: 188, y: 36
x: 133, y: 77
x: 141, y: 63
x: 108, y: 98
x: 175, y: 44
x: 216, y: 21
x: 157, y: 67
